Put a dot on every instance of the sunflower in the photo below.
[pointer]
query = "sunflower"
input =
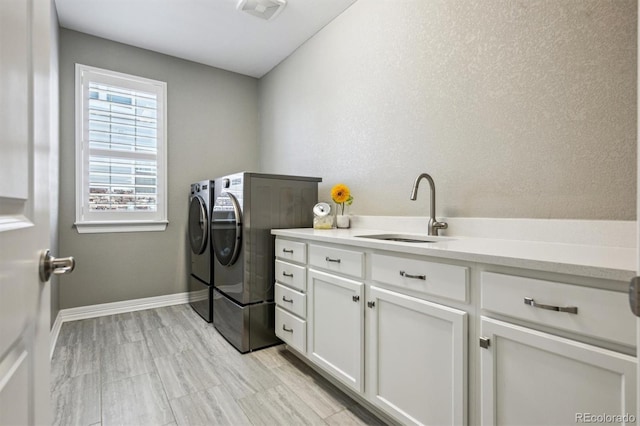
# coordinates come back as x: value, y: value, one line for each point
x: 340, y: 194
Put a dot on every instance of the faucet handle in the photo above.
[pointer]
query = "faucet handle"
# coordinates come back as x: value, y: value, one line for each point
x: 434, y: 226
x: 440, y: 225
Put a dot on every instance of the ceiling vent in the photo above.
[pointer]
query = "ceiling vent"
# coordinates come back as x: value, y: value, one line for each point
x: 264, y: 9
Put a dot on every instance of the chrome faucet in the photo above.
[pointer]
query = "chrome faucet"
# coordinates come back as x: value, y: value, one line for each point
x: 433, y: 225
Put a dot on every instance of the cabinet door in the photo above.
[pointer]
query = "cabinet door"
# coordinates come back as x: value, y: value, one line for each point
x: 336, y: 326
x: 533, y: 378
x: 418, y: 359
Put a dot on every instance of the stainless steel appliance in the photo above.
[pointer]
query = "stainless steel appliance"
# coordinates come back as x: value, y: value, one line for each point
x: 246, y: 207
x: 201, y: 277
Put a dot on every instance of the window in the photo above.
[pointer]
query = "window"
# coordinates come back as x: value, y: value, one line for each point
x: 120, y: 152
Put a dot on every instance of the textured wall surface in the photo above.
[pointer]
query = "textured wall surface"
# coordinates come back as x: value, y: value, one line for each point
x: 212, y: 131
x: 516, y: 108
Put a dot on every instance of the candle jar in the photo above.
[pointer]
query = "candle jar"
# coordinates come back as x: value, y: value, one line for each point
x: 322, y: 217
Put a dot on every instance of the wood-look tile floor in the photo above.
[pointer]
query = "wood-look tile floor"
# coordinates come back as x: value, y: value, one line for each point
x: 166, y: 366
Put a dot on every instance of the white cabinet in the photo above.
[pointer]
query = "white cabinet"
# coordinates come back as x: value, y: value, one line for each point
x: 417, y: 353
x: 405, y: 355
x: 336, y: 326
x: 291, y: 329
x: 533, y: 378
x: 291, y: 300
x: 291, y: 275
x: 291, y: 251
x: 340, y: 261
x: 402, y: 331
x: 290, y: 287
x: 421, y: 276
x: 599, y: 313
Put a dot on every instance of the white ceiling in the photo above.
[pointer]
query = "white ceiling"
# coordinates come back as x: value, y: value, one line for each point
x: 211, y: 32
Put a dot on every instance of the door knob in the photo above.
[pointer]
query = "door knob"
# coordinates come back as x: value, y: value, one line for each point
x: 51, y: 265
x: 634, y: 295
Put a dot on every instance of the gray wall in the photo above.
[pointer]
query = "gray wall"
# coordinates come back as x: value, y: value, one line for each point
x: 516, y: 108
x: 212, y: 131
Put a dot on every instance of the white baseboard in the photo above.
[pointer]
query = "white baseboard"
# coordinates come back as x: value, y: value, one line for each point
x: 54, y: 333
x: 103, y: 309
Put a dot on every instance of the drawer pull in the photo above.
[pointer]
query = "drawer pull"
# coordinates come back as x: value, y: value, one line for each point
x: 417, y: 277
x: 287, y: 275
x: 328, y: 259
x: 284, y: 250
x: 288, y: 330
x: 568, y: 309
x: 284, y: 299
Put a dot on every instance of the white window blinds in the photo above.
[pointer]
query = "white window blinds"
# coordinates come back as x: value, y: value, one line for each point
x: 121, y: 151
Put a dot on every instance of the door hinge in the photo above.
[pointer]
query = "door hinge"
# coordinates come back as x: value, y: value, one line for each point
x: 634, y: 295
x: 355, y: 298
x: 371, y: 304
x: 485, y: 342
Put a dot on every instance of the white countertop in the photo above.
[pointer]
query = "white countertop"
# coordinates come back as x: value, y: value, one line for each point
x: 614, y: 263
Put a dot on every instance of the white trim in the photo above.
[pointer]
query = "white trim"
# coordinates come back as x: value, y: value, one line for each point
x: 85, y: 217
x: 104, y: 309
x: 54, y: 333
x: 11, y: 223
x: 97, y: 227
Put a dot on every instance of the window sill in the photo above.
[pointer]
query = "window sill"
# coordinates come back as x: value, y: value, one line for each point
x: 108, y: 227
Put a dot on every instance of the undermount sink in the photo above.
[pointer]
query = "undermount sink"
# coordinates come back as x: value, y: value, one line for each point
x: 406, y: 238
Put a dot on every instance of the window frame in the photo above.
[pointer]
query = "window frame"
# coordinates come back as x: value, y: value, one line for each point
x: 101, y: 222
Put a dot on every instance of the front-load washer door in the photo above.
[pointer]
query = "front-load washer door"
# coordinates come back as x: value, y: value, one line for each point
x: 226, y: 229
x: 198, y: 225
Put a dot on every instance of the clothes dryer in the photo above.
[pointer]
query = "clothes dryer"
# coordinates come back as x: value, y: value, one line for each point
x: 201, y: 272
x: 245, y: 209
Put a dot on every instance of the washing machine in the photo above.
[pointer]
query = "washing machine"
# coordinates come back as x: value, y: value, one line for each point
x: 201, y: 269
x: 245, y: 209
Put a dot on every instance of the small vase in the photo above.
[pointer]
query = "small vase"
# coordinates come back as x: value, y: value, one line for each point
x: 342, y: 221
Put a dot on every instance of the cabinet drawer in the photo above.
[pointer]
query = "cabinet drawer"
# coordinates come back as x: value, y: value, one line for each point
x: 292, y: 275
x: 432, y: 278
x: 291, y: 300
x: 599, y: 313
x: 291, y: 329
x: 291, y: 250
x: 347, y: 262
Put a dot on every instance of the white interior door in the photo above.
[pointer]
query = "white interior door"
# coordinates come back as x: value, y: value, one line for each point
x: 638, y: 226
x: 25, y: 138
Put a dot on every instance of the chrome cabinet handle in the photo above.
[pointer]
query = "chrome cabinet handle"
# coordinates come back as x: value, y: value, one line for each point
x: 485, y: 342
x: 288, y: 330
x: 284, y: 299
x: 51, y: 265
x: 634, y: 296
x: 328, y: 259
x: 568, y: 309
x: 417, y: 277
x: 284, y: 250
x: 287, y: 275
